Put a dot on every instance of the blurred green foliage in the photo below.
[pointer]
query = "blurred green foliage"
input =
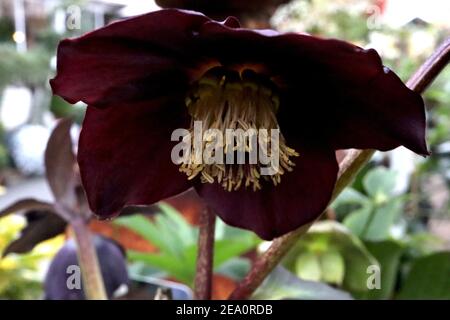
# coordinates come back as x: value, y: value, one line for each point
x: 331, y: 253
x: 6, y: 29
x: 176, y: 241
x: 336, y: 19
x: 376, y: 212
x: 282, y: 284
x: 31, y: 68
x: 373, y: 233
x: 429, y: 278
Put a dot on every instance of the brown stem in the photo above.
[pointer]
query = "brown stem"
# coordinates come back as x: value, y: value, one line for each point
x: 205, y: 255
x: 349, y: 167
x: 431, y: 68
x: 87, y: 258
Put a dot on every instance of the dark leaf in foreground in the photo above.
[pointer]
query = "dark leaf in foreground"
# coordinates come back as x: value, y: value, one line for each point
x: 26, y: 205
x: 41, y: 226
x: 60, y: 163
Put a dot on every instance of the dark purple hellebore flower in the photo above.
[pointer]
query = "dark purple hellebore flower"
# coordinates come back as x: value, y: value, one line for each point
x: 147, y: 76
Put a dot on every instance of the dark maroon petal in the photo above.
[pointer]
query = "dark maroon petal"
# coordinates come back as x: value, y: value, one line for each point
x: 275, y: 210
x: 330, y: 89
x: 381, y: 115
x: 134, y: 59
x: 124, y: 155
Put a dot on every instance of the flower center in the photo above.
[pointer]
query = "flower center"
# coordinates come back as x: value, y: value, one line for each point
x: 240, y: 107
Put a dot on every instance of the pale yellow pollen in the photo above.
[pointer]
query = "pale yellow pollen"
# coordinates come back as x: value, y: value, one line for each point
x: 232, y: 101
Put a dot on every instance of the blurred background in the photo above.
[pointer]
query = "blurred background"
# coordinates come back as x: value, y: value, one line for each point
x: 395, y: 217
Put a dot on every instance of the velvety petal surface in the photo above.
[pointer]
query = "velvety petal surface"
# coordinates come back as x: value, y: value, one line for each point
x: 130, y: 60
x: 329, y: 88
x: 125, y: 155
x: 301, y: 197
x: 380, y: 114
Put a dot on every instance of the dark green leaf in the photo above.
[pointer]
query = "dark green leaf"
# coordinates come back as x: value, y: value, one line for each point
x: 429, y: 278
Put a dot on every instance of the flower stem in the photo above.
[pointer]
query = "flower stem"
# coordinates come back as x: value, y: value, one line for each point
x: 431, y: 68
x: 205, y: 256
x: 348, y: 168
x: 87, y: 258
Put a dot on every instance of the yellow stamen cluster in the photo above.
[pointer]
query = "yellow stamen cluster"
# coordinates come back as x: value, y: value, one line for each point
x: 229, y: 100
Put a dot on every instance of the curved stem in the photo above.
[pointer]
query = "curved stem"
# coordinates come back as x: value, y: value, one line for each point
x: 205, y: 256
x: 93, y: 286
x: 431, y: 68
x: 349, y: 167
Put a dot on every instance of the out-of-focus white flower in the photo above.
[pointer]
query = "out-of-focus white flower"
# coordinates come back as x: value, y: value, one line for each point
x: 385, y: 44
x: 403, y: 162
x: 421, y: 43
x: 15, y: 107
x: 27, y: 147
